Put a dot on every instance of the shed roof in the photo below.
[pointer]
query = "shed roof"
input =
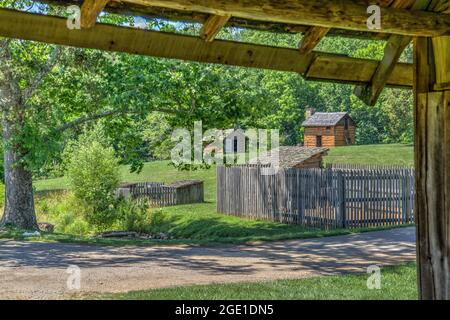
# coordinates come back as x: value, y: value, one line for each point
x: 324, y: 119
x: 290, y: 156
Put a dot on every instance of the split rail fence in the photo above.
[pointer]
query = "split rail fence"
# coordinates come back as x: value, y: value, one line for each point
x: 320, y: 198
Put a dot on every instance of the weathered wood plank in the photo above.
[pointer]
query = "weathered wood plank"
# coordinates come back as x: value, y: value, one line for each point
x: 311, y: 39
x: 432, y: 159
x: 324, y: 66
x: 345, y: 14
x: 212, y: 27
x: 90, y: 11
x: 394, y: 48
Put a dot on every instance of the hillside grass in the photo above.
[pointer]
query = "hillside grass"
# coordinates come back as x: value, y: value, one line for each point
x: 382, y: 154
x: 201, y: 224
x: 397, y: 283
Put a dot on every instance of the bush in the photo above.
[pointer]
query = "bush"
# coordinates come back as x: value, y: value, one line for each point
x: 64, y: 212
x: 138, y: 216
x: 93, y: 173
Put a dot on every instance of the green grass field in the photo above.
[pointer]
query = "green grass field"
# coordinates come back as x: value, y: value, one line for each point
x: 397, y: 283
x: 382, y: 154
x: 199, y: 223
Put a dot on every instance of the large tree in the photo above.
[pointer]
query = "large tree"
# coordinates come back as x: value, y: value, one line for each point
x: 45, y: 90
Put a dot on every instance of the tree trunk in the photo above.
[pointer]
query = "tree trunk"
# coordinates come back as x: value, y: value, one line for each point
x: 19, y: 202
x: 432, y: 159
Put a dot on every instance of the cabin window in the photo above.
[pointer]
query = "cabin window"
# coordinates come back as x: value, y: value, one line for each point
x: 318, y: 141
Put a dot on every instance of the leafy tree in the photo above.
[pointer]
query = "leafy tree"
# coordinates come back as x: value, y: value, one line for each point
x: 93, y: 172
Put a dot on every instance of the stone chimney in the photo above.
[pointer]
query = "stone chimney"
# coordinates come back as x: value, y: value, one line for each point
x: 309, y: 112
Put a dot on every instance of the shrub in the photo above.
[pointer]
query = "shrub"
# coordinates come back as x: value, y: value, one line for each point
x: 93, y: 173
x: 138, y: 216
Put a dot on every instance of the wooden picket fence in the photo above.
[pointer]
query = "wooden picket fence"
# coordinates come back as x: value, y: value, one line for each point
x: 320, y: 198
x: 351, y: 166
x: 161, y: 195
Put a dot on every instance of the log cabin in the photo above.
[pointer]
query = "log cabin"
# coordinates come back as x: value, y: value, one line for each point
x: 328, y: 129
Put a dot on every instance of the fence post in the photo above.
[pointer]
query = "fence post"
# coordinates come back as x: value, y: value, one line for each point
x: 341, y: 198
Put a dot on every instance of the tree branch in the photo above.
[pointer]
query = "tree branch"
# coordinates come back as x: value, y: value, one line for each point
x: 39, y: 78
x: 96, y: 116
x: 10, y: 82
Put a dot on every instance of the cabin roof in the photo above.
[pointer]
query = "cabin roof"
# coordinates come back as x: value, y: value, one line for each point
x: 290, y: 156
x: 324, y: 119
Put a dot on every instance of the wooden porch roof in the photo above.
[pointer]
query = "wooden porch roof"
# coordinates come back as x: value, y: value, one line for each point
x: 401, y: 20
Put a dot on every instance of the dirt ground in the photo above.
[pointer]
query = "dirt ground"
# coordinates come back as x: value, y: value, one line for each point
x: 31, y: 270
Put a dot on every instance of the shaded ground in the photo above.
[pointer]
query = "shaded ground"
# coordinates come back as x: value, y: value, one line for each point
x: 30, y: 270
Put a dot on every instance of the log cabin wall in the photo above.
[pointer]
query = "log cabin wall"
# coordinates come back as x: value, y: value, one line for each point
x: 314, y: 162
x: 331, y: 136
x: 327, y: 134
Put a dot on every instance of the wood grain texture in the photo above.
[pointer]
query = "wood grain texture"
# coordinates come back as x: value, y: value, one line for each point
x: 90, y: 11
x: 311, y: 39
x: 212, y: 27
x: 345, y: 14
x: 432, y: 160
x: 394, y: 48
x: 150, y: 12
x: 315, y: 66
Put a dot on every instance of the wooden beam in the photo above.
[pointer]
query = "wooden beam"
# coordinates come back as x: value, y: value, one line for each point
x: 432, y: 161
x: 395, y: 46
x: 311, y: 39
x: 149, y: 12
x: 212, y: 27
x: 344, y: 14
x: 90, y: 11
x: 370, y: 92
x: 315, y: 66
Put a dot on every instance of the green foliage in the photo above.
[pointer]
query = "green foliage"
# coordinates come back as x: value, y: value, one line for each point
x: 134, y: 216
x: 93, y: 173
x: 65, y: 212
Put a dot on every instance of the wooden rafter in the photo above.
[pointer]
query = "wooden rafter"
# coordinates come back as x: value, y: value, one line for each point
x: 369, y: 93
x: 345, y: 14
x: 150, y: 12
x: 90, y: 11
x: 311, y: 39
x: 212, y: 27
x: 315, y: 66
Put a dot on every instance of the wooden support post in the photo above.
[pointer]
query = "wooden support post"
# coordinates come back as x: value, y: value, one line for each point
x: 90, y: 11
x: 213, y: 26
x: 432, y: 159
x: 396, y: 44
x: 311, y: 39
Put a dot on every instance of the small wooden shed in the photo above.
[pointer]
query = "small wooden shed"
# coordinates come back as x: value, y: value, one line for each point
x: 294, y: 157
x: 329, y: 129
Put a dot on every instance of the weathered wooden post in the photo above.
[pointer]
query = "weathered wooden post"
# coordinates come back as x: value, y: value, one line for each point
x: 341, y: 198
x: 432, y: 159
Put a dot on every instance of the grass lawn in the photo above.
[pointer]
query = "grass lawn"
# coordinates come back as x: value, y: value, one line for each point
x: 397, y: 283
x: 200, y: 224
x: 383, y: 154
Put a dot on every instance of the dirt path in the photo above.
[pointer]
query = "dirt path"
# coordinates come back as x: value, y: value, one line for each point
x: 39, y: 270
